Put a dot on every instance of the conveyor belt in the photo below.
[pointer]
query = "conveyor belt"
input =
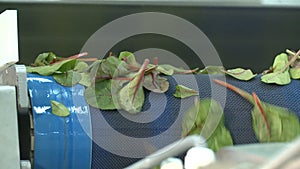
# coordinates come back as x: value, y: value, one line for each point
x: 120, y: 139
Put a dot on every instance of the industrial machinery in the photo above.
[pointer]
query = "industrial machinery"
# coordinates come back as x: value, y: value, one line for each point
x: 32, y: 137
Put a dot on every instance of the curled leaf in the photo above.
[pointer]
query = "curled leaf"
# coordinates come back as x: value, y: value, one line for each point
x: 241, y: 74
x: 46, y: 58
x: 184, y: 92
x: 59, y: 109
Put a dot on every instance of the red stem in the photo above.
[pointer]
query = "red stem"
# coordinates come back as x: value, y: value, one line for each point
x: 140, y: 76
x: 241, y: 92
x: 258, y: 103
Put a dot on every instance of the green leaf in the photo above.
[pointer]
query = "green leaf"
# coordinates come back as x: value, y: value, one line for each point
x: 170, y: 70
x: 128, y: 57
x: 132, y: 94
x: 155, y: 83
x: 184, y: 92
x: 212, y: 70
x: 113, y: 67
x: 44, y: 59
x: 271, y: 123
x: 59, y: 109
x: 50, y: 69
x: 241, y: 74
x: 295, y: 73
x: 81, y: 67
x: 69, y: 78
x: 85, y: 79
x: 277, y: 78
x: 280, y: 74
x: 101, y: 96
x: 278, y: 125
x: 206, y: 118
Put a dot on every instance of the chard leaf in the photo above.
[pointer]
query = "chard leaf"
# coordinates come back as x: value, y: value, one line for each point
x: 206, y: 118
x: 59, y: 109
x: 241, y: 74
x: 280, y: 74
x: 81, y: 67
x: 101, y: 96
x: 295, y: 72
x: 277, y: 78
x: 212, y: 70
x: 271, y: 123
x: 282, y: 124
x: 113, y: 67
x: 155, y: 83
x: 132, y: 94
x: 46, y: 58
x: 50, y: 69
x: 129, y: 58
x: 184, y: 92
x: 69, y: 78
x: 85, y: 79
x: 170, y: 70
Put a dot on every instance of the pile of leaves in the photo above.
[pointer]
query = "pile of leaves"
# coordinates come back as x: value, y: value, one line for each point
x: 118, y: 82
x: 111, y: 83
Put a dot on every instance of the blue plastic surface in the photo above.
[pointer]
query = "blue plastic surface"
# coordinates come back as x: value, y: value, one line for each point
x: 59, y: 142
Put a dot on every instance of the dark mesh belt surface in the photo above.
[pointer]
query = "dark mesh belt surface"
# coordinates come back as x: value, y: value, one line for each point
x: 237, y: 113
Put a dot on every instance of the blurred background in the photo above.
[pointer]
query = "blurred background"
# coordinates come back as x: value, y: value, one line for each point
x: 245, y: 33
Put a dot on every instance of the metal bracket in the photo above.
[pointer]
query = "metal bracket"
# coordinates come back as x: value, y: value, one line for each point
x: 15, y: 75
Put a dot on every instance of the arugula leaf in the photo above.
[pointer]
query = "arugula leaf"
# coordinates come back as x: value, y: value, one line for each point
x: 271, y: 123
x: 240, y: 73
x: 132, y: 94
x: 202, y: 119
x: 184, y: 92
x: 59, y: 109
